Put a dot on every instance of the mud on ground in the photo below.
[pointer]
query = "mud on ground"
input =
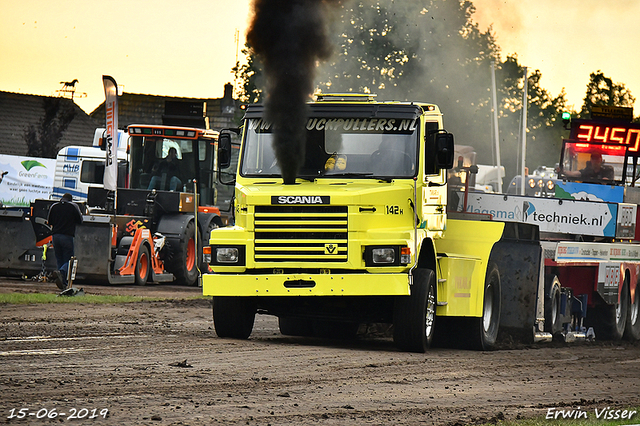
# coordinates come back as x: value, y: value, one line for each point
x: 160, y: 363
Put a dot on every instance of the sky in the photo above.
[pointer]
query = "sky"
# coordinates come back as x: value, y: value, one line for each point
x: 188, y: 48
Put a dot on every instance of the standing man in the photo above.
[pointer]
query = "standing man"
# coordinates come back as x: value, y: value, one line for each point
x: 63, y: 218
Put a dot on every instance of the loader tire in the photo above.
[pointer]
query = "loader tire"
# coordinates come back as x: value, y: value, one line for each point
x: 484, y: 330
x: 632, y: 327
x: 233, y: 317
x: 143, y: 266
x: 185, y: 257
x: 609, y: 321
x: 414, y: 316
x: 552, y: 314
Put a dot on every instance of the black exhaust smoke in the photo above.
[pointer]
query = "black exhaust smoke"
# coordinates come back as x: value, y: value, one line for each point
x: 289, y: 36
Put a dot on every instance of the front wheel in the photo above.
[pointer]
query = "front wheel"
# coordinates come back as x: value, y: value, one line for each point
x: 233, y: 316
x: 143, y: 266
x: 485, y: 329
x: 414, y: 316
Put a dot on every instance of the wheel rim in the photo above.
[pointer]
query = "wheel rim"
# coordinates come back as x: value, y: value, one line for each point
x: 487, y: 311
x: 430, y: 312
x: 144, y: 266
x: 191, y: 254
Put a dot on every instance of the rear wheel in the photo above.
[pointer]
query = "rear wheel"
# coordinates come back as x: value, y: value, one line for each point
x: 485, y: 329
x: 233, y: 316
x: 414, y: 316
x: 632, y: 328
x: 143, y: 266
x: 183, y: 263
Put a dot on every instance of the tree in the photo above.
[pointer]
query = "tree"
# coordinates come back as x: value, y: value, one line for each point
x: 428, y: 50
x: 602, y: 91
x: 544, y: 126
x: 250, y: 77
x: 42, y: 139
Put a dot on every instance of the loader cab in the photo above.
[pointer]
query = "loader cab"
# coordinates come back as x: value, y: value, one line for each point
x: 168, y: 158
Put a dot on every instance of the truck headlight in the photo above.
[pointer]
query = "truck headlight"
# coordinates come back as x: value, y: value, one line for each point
x: 227, y: 255
x: 384, y: 255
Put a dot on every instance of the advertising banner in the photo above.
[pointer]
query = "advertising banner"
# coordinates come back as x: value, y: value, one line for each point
x: 111, y: 108
x: 550, y: 214
x: 24, y: 179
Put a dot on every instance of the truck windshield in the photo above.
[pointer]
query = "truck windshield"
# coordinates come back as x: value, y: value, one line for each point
x: 338, y: 147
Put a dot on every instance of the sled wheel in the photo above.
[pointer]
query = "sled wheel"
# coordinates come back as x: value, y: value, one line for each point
x: 233, y: 316
x: 143, y: 266
x: 552, y: 314
x: 610, y: 320
x: 414, y: 316
x: 295, y: 327
x: 632, y: 328
x: 485, y: 329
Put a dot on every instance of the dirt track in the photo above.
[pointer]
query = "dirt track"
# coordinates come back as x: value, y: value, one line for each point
x: 130, y: 360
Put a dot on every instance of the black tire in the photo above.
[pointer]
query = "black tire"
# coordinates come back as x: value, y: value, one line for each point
x: 233, y: 317
x: 485, y: 329
x: 341, y: 330
x: 609, y: 321
x: 185, y: 257
x: 632, y: 327
x: 295, y: 327
x: 143, y: 266
x: 414, y: 316
x: 552, y: 300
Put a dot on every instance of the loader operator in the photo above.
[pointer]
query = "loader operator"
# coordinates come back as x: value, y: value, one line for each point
x: 168, y: 167
x: 63, y: 218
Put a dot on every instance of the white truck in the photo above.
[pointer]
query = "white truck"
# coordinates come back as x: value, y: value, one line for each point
x: 80, y: 167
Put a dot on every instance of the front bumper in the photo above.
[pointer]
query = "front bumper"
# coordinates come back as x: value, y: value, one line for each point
x: 306, y: 285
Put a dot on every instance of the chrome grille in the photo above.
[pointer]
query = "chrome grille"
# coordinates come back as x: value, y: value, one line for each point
x: 301, y: 233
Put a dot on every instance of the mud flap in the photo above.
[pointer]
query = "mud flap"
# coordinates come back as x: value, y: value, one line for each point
x: 518, y: 257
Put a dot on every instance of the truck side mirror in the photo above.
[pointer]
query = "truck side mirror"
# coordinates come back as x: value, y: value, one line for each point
x: 224, y: 151
x: 444, y: 150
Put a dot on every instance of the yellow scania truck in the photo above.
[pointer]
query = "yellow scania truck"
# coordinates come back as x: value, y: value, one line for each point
x: 363, y: 236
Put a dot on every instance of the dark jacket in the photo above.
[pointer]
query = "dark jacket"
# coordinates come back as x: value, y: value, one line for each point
x: 63, y: 218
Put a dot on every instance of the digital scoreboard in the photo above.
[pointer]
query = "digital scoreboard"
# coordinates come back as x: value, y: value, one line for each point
x: 603, y: 132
